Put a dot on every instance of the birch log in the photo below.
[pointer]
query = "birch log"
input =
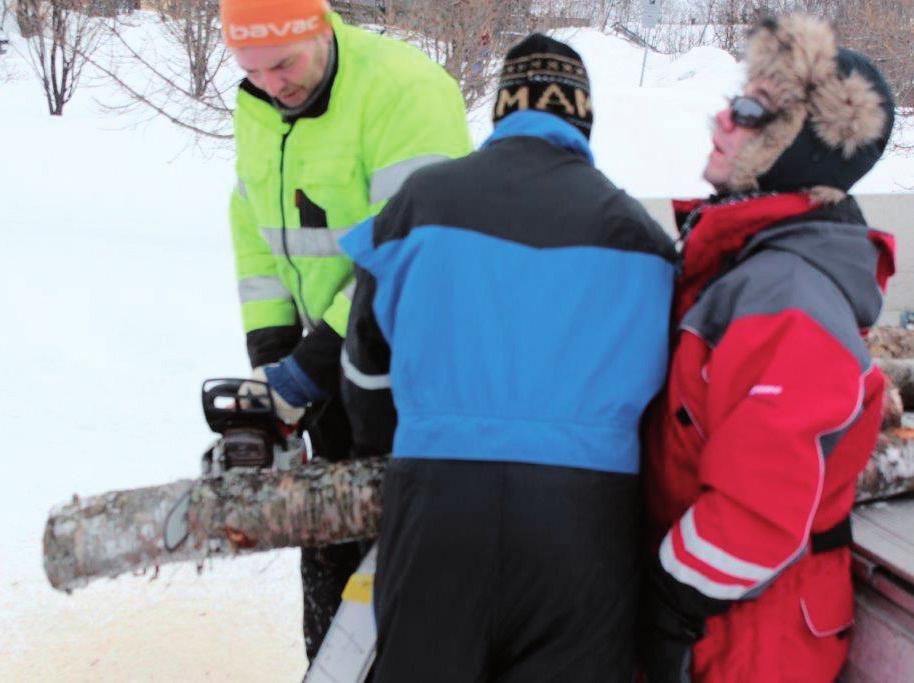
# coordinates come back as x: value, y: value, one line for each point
x: 238, y: 512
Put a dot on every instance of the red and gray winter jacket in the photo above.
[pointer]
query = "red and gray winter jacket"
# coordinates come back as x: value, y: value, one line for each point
x: 771, y: 410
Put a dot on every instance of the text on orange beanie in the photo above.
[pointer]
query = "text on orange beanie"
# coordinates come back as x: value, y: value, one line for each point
x: 272, y: 22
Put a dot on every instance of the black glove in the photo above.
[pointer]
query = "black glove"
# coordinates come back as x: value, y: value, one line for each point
x: 672, y: 621
x: 666, y: 643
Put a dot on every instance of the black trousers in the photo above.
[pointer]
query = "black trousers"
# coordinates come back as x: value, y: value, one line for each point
x: 325, y: 571
x: 506, y: 572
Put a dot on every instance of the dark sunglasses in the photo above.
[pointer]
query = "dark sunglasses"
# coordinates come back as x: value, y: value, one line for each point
x: 748, y: 112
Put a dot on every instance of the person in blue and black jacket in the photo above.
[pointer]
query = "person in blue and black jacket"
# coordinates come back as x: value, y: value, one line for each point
x: 515, y: 304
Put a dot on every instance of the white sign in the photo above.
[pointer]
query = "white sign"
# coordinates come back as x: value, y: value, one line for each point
x: 650, y: 13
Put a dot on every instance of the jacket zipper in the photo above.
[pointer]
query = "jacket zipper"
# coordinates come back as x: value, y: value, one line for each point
x: 685, y: 418
x: 300, y: 303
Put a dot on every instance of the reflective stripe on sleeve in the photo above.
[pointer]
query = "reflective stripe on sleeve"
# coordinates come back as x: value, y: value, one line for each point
x: 242, y: 190
x: 685, y: 574
x: 349, y: 290
x: 304, y: 241
x: 717, y: 557
x: 261, y: 288
x: 359, y: 378
x: 386, y: 181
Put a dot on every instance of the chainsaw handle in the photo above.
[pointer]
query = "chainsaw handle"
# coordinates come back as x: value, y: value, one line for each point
x: 224, y: 407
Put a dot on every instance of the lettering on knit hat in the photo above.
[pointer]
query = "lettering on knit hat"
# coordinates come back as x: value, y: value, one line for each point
x: 259, y: 31
x: 551, y: 97
x: 519, y: 99
x: 247, y: 23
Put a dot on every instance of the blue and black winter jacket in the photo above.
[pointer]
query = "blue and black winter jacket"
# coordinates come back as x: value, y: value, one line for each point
x: 515, y: 302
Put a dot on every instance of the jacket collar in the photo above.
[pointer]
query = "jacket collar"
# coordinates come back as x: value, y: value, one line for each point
x: 714, y: 231
x: 548, y: 127
x: 719, y: 232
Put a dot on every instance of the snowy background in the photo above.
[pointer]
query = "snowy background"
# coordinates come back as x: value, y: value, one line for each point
x: 118, y: 299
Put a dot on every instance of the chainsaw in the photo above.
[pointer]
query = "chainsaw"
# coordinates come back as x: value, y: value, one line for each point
x: 241, y: 412
x: 250, y: 434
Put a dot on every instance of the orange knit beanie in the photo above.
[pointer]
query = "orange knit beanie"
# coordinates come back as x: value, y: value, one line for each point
x: 272, y: 22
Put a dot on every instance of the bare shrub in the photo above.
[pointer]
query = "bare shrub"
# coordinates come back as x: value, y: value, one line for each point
x: 27, y: 19
x: 193, y: 26
x: 729, y: 20
x: 883, y: 30
x: 467, y: 37
x: 62, y: 36
x: 470, y: 37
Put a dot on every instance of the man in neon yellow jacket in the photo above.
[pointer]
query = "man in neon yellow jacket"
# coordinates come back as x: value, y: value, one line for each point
x: 329, y: 122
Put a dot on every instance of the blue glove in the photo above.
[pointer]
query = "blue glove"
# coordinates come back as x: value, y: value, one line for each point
x: 292, y: 383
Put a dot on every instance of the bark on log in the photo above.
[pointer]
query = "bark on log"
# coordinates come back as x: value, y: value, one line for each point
x: 238, y: 512
x: 890, y: 471
x: 892, y: 407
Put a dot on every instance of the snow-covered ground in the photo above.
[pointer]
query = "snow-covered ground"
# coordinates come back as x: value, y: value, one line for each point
x: 119, y: 299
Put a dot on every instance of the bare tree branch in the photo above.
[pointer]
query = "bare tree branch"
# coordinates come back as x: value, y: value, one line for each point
x: 140, y: 98
x: 183, y: 78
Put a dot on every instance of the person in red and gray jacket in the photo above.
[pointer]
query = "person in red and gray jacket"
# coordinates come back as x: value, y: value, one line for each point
x: 772, y: 405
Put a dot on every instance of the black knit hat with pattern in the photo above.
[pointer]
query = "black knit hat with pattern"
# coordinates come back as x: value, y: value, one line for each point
x: 543, y: 74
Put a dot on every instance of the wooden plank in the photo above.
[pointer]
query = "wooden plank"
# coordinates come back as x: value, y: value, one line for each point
x: 884, y: 534
x: 882, y: 642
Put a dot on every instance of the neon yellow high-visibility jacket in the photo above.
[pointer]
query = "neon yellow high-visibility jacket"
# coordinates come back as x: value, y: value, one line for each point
x: 390, y: 111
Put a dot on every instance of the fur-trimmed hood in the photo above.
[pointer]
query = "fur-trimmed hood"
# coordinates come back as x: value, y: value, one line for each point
x: 834, y: 111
